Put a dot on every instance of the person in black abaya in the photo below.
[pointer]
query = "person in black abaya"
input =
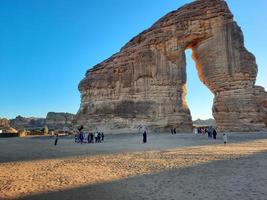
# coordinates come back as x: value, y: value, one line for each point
x: 144, y: 137
x: 214, y: 133
x: 56, y: 140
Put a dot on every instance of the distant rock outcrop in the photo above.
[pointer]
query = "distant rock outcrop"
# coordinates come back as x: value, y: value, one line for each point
x: 59, y: 121
x: 145, y: 83
x: 201, y: 122
x: 21, y: 123
x: 5, y: 126
x: 53, y: 120
x: 4, y: 123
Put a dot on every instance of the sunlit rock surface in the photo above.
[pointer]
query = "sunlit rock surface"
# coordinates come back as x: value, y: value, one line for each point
x: 5, y: 126
x: 145, y: 83
x: 4, y: 123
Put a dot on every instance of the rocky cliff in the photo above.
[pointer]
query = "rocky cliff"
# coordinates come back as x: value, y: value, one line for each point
x: 145, y: 83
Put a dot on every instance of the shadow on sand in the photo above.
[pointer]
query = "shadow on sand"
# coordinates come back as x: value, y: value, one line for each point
x: 239, y: 178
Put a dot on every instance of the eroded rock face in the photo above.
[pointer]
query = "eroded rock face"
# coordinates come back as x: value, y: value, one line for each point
x: 4, y: 123
x: 21, y: 123
x: 145, y: 83
x: 54, y: 121
x: 59, y: 121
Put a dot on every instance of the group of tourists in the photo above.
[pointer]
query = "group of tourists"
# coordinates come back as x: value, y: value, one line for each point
x: 201, y: 130
x: 82, y: 137
x: 98, y: 137
x: 210, y: 131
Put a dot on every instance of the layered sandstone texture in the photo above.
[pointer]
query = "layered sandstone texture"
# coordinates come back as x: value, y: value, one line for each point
x: 145, y: 83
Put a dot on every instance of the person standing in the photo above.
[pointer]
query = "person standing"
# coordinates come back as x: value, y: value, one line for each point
x: 88, y: 138
x: 174, y: 130
x: 214, y: 133
x: 76, y: 139
x: 210, y: 132
x: 81, y: 137
x: 96, y: 137
x: 99, y: 137
x: 80, y: 133
x: 224, y: 138
x: 102, y: 136
x: 171, y: 131
x: 92, y: 137
x: 56, y: 140
x: 144, y: 137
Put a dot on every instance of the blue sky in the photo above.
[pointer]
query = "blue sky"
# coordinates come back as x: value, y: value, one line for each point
x: 46, y: 46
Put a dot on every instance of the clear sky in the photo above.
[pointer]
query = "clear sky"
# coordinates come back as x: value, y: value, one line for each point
x: 46, y: 46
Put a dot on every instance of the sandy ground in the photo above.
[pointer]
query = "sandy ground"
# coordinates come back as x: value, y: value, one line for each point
x: 178, y: 166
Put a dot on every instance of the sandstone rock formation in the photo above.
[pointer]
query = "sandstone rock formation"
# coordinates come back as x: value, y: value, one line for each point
x: 5, y: 126
x: 21, y: 123
x: 145, y: 83
x: 53, y: 120
x: 4, y: 123
x: 207, y: 122
x: 59, y: 121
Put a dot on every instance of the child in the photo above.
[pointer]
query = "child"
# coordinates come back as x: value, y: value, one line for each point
x: 225, y: 138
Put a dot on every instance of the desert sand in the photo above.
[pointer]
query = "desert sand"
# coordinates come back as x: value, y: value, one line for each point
x: 182, y: 166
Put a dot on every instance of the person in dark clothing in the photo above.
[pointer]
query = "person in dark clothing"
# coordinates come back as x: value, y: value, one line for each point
x: 56, y: 139
x: 88, y: 138
x: 102, y: 136
x: 214, y: 133
x: 210, y: 131
x: 171, y: 131
x: 144, y: 137
x: 76, y: 139
x: 99, y: 137
x: 92, y: 137
x: 80, y: 133
x: 174, y: 130
x: 81, y: 137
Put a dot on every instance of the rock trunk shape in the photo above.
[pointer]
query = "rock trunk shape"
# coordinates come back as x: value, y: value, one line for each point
x: 145, y: 83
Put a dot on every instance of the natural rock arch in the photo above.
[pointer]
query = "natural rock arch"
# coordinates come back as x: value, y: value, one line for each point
x: 144, y: 83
